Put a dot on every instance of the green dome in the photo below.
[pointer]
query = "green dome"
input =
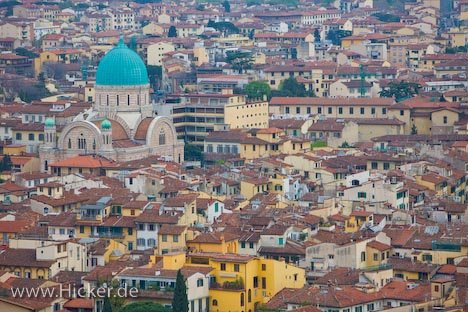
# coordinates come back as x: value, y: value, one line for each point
x: 49, y: 122
x: 106, y: 124
x: 121, y: 66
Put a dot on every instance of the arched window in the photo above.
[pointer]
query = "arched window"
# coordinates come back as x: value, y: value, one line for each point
x: 242, y: 299
x: 107, y: 100
x: 162, y: 137
x: 128, y: 99
x: 249, y: 295
x: 138, y: 99
x: 81, y: 142
x: 214, y: 303
x: 69, y: 143
x: 118, y: 101
x: 94, y: 144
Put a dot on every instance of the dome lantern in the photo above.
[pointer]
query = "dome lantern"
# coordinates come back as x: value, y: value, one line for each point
x: 106, y: 124
x: 49, y: 123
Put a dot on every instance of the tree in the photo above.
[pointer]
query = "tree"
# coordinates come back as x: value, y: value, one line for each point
x: 250, y: 3
x: 316, y: 35
x: 414, y: 129
x: 172, y: 32
x: 387, y: 17
x: 107, y: 307
x: 335, y: 36
x: 257, y: 90
x: 225, y: 27
x: 180, y: 301
x: 400, y: 90
x: 132, y: 44
x: 227, y: 6
x: 154, y: 73
x: 240, y: 60
x: 5, y: 163
x: 25, y: 52
x: 290, y: 87
x: 192, y: 153
x: 144, y: 306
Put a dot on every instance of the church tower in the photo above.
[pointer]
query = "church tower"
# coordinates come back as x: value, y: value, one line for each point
x: 50, y: 132
x: 106, y: 130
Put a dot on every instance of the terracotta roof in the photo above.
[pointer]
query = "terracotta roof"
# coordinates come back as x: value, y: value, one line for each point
x: 22, y: 258
x: 214, y: 238
x: 181, y: 200
x: 142, y: 129
x: 118, y: 131
x: 331, y: 101
x: 13, y: 226
x: 171, y: 229
x: 287, y: 123
x: 85, y: 161
x: 79, y: 303
x: 379, y: 246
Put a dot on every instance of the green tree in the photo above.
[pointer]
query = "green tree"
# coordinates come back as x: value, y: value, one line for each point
x: 180, y: 301
x: 6, y: 164
x: 25, y: 52
x: 154, y: 74
x: 414, y: 129
x: 335, y: 36
x: 400, y: 90
x: 132, y: 44
x: 250, y: 3
x: 144, y: 306
x: 193, y: 152
x: 240, y: 60
x: 172, y: 32
x: 290, y: 87
x: 316, y: 35
x: 257, y: 90
x: 227, y: 6
x: 226, y: 28
x: 107, y: 306
x: 387, y: 17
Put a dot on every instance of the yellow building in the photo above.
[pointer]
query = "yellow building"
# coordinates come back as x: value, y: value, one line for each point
x: 171, y: 238
x: 106, y: 220
x: 246, y: 115
x: 241, y: 283
x: 14, y: 149
x: 250, y: 186
x: 434, y: 182
x: 377, y: 253
x: 215, y: 242
x: 357, y: 219
x: 66, y: 56
x: 310, y: 75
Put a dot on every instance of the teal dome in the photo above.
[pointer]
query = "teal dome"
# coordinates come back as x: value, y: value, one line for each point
x: 121, y: 66
x: 49, y: 122
x: 106, y: 124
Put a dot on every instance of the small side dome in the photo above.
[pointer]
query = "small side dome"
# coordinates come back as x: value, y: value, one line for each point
x: 49, y: 122
x: 106, y: 124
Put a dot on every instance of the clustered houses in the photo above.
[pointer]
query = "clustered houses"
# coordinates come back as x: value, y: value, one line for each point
x: 311, y: 157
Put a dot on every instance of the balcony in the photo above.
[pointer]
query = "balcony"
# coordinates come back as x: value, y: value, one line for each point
x: 90, y: 217
x: 235, y: 285
x: 109, y: 234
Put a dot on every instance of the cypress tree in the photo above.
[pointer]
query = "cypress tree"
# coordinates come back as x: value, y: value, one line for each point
x: 180, y: 301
